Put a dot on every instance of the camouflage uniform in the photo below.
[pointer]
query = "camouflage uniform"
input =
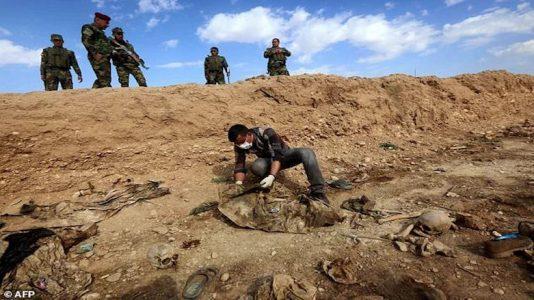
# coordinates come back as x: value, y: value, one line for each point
x: 95, y: 41
x: 213, y: 69
x: 55, y: 67
x: 277, y: 61
x: 124, y: 63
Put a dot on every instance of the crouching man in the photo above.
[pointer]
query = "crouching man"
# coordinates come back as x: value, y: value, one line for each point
x: 273, y: 156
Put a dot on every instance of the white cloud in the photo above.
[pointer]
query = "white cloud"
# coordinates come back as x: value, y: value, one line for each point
x: 156, y: 6
x: 99, y: 3
x: 488, y: 25
x: 4, y: 32
x: 523, y: 6
x: 170, y: 43
x: 256, y: 25
x: 308, y: 34
x: 453, y: 2
x: 518, y: 49
x: 13, y: 54
x: 179, y: 64
x: 155, y: 21
x: 424, y: 13
x: 389, y: 5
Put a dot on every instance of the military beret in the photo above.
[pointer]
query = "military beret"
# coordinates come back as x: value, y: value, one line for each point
x: 117, y: 30
x: 55, y: 36
x: 102, y: 16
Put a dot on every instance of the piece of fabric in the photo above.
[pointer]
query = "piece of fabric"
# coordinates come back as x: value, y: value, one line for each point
x: 48, y: 273
x: 92, y: 209
x: 263, y: 212
x: 286, y: 287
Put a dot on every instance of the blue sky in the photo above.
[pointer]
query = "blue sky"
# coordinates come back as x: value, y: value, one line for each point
x: 344, y: 37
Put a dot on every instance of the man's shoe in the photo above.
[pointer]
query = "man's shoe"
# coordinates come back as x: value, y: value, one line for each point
x: 320, y: 197
x: 505, y: 248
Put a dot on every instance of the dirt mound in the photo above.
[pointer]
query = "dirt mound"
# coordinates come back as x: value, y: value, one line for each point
x: 474, y: 129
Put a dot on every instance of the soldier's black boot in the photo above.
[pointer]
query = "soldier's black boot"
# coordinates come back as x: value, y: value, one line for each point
x: 319, y: 196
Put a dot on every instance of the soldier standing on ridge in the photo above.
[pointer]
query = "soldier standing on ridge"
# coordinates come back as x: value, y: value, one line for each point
x: 277, y: 59
x: 214, y: 65
x: 98, y: 49
x: 125, y: 59
x: 55, y: 65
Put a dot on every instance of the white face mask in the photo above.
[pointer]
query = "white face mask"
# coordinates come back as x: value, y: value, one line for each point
x: 246, y: 145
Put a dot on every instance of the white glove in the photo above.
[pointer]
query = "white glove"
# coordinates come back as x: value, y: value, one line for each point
x: 239, y: 182
x: 267, y: 182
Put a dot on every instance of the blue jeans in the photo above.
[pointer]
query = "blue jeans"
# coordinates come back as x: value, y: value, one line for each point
x: 290, y: 158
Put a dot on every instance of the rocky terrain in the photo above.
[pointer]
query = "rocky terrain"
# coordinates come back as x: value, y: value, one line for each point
x: 463, y: 144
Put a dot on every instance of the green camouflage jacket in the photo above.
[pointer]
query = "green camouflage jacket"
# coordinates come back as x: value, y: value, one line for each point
x: 276, y: 59
x: 215, y: 64
x: 95, y: 40
x: 58, y: 58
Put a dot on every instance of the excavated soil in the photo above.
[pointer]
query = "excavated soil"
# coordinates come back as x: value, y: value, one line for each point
x: 472, y: 135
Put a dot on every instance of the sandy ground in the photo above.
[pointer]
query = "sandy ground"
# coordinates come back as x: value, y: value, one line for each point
x: 472, y: 126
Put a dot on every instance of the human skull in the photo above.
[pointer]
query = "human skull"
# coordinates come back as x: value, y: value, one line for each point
x: 161, y: 256
x: 434, y: 222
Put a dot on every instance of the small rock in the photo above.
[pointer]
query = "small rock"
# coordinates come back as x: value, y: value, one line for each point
x: 273, y: 253
x: 114, y: 277
x: 321, y: 290
x: 84, y: 264
x: 498, y: 291
x: 473, y: 262
x: 403, y: 247
x: 214, y: 255
x: 435, y: 270
x: 91, y: 296
x: 161, y: 230
x: 225, y: 277
x: 452, y: 195
x: 367, y: 159
x: 482, y: 284
x: 496, y: 233
x: 171, y: 239
x: 500, y: 212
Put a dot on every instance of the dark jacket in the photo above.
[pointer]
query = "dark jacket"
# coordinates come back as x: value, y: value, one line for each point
x: 267, y: 144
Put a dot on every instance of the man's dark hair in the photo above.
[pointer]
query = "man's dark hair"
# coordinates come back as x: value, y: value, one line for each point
x: 214, y: 48
x: 235, y: 131
x: 276, y: 39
